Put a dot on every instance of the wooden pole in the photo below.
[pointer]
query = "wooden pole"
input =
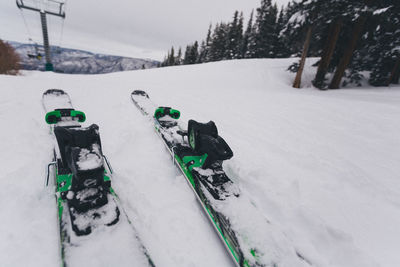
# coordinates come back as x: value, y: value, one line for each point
x: 327, y: 54
x: 345, y: 60
x: 297, y: 80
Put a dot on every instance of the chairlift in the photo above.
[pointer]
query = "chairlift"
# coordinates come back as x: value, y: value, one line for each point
x: 50, y: 7
x: 37, y: 51
x: 57, y: 50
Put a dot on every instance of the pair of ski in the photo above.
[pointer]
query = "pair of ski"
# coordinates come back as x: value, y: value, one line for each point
x: 87, y: 203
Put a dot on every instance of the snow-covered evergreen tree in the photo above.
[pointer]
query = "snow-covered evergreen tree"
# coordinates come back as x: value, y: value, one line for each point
x: 218, y: 42
x: 191, y: 54
x: 234, y: 37
x: 171, y: 59
x: 295, y: 23
x: 248, y: 43
x: 281, y: 49
x: 350, y: 37
x: 178, y: 58
x: 266, y: 29
x: 384, y: 50
x: 205, y: 48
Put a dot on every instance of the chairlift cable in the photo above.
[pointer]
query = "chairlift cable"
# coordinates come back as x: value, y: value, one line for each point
x: 26, y: 25
x: 62, y: 26
x: 62, y: 33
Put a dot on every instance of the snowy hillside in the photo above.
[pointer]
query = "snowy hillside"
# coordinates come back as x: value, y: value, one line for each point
x: 322, y: 167
x: 75, y: 61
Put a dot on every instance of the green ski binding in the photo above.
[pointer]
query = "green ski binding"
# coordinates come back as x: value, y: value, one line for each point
x: 55, y: 116
x: 164, y: 111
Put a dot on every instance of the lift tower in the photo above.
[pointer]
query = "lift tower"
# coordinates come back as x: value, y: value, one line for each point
x: 51, y: 7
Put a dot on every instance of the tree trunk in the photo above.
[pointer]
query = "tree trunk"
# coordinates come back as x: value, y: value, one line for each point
x: 345, y: 60
x: 327, y: 54
x: 297, y: 80
x: 394, y: 75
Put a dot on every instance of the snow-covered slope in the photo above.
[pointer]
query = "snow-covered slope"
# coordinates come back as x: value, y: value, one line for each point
x: 321, y: 166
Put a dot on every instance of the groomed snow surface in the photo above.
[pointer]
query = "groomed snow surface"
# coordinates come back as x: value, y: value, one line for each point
x: 322, y: 167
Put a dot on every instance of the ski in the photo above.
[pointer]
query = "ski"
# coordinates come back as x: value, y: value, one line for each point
x: 87, y: 204
x: 199, y: 153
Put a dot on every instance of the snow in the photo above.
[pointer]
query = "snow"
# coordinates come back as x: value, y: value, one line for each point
x: 98, y: 249
x: 52, y: 102
x: 297, y: 18
x: 319, y: 167
x: 89, y: 160
x: 380, y: 11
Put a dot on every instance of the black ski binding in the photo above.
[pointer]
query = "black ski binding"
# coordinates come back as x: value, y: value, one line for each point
x: 81, y: 155
x: 204, y: 139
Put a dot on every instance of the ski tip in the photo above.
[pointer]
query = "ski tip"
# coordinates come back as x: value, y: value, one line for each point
x: 140, y: 92
x: 54, y: 92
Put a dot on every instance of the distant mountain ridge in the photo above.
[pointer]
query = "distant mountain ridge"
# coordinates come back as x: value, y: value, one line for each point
x: 74, y: 61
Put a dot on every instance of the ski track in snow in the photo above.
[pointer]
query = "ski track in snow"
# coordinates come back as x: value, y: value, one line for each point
x: 322, y: 168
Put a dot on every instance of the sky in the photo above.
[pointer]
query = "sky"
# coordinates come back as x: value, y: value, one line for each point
x: 133, y: 28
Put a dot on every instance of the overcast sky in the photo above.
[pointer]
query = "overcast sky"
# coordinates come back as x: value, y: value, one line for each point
x: 134, y: 28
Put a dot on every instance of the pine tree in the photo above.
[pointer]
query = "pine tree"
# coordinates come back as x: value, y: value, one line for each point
x: 294, y: 28
x: 384, y: 49
x: 171, y: 59
x: 202, y: 52
x: 327, y: 53
x: 266, y: 29
x: 234, y: 37
x: 195, y: 53
x: 297, y: 80
x: 218, y: 42
x: 164, y: 63
x: 205, y: 47
x: 280, y: 47
x: 239, y: 41
x: 191, y: 54
x: 358, y: 29
x: 300, y: 20
x: 248, y: 43
x: 329, y: 39
x: 178, y: 59
x: 186, y: 58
